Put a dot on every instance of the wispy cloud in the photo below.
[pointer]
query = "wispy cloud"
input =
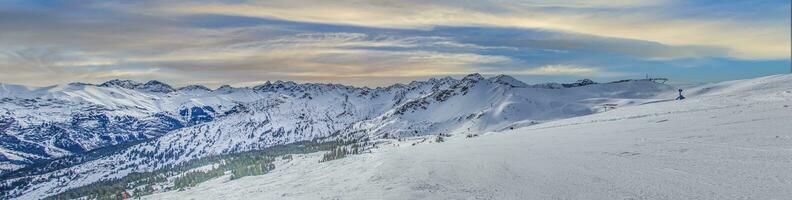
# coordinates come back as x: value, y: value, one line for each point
x: 327, y: 57
x: 745, y: 39
x: 381, y: 42
x: 561, y: 70
x: 570, y: 70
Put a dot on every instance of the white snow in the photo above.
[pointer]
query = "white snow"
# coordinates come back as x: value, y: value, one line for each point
x: 730, y: 140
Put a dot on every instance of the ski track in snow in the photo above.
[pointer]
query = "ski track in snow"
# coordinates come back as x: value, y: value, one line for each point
x: 730, y: 140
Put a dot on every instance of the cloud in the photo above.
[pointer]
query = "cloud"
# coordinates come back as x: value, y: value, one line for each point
x: 128, y: 74
x: 744, y: 39
x: 344, y: 53
x: 560, y: 70
x: 340, y: 57
x: 593, y: 4
x: 374, y: 42
x: 331, y: 57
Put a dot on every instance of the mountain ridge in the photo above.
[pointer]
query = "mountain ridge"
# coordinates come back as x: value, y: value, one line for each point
x: 162, y: 87
x: 282, y: 112
x: 727, y: 140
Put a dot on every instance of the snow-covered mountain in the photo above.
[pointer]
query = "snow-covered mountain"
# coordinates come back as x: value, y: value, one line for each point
x: 179, y: 125
x: 727, y: 140
x: 44, y: 123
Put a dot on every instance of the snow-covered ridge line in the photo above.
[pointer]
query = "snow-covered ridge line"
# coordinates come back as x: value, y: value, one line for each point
x: 154, y: 86
x: 727, y: 140
x: 228, y: 120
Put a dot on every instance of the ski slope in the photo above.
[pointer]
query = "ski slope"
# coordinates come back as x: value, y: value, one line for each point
x: 730, y: 140
x: 288, y: 112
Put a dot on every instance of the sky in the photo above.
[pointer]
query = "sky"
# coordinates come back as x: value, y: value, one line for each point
x: 382, y: 42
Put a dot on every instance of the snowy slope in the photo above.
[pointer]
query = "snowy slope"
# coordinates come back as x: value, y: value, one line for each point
x: 286, y: 112
x: 39, y: 124
x: 728, y: 140
x: 479, y: 105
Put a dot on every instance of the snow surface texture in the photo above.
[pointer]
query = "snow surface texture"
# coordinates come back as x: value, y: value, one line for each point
x: 286, y: 112
x: 41, y: 123
x: 729, y: 140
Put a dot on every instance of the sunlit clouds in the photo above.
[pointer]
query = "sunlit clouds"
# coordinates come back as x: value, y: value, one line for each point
x: 742, y: 39
x: 376, y: 43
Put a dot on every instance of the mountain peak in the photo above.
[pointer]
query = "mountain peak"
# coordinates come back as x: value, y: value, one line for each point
x: 128, y: 84
x: 79, y: 84
x: 195, y: 88
x: 156, y: 86
x: 225, y: 88
x: 473, y: 76
x: 508, y: 80
x: 440, y: 80
x: 286, y: 83
x: 581, y: 82
x: 273, y: 86
x: 151, y: 86
x: 155, y: 82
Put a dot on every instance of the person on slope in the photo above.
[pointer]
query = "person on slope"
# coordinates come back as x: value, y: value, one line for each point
x: 680, y: 97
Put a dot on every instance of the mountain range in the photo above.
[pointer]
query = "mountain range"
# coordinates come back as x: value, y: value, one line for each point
x: 58, y: 138
x: 727, y: 140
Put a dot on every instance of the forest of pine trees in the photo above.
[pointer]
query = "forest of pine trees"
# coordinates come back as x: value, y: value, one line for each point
x: 336, y: 153
x: 239, y: 165
x: 340, y: 152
